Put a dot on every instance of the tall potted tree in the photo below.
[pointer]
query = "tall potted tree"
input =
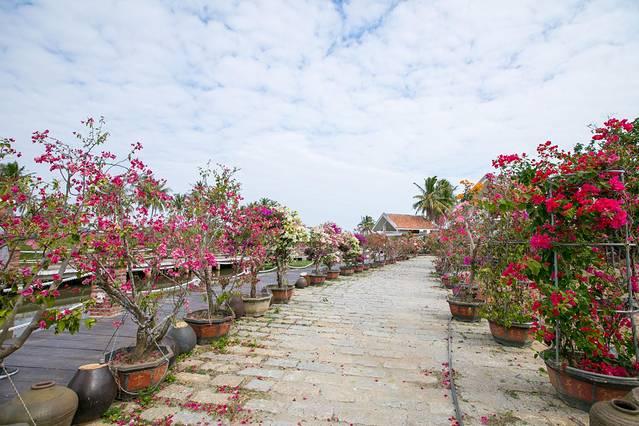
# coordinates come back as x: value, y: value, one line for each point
x: 350, y: 251
x: 319, y: 245
x: 288, y: 236
x: 208, y: 209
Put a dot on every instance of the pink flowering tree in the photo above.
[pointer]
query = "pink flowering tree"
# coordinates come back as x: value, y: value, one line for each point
x: 208, y: 210
x: 43, y: 217
x: 125, y: 238
x: 248, y: 238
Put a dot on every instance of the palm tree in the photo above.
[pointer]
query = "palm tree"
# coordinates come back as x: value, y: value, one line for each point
x: 366, y: 225
x: 11, y: 170
x: 435, y: 198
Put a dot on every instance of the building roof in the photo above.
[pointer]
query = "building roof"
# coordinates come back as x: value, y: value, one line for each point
x: 409, y: 221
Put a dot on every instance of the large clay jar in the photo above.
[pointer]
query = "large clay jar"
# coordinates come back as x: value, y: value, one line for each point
x: 96, y: 389
x: 237, y: 304
x: 616, y: 412
x: 184, y: 338
x: 301, y: 282
x: 48, y: 403
x: 633, y: 396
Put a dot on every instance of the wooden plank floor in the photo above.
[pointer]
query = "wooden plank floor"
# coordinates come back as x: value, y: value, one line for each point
x: 46, y: 356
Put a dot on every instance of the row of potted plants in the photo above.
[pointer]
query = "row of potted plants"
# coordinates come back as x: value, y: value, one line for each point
x: 546, y: 250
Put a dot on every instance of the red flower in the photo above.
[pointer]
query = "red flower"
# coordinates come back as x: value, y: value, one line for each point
x: 540, y: 241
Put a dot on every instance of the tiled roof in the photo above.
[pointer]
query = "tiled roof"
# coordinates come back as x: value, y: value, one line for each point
x: 408, y: 221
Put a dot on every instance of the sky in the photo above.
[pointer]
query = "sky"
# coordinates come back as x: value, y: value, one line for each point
x: 333, y: 108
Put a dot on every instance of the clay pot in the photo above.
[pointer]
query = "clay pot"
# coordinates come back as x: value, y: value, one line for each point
x: 208, y: 328
x: 48, y: 403
x: 366, y: 266
x: 281, y: 294
x: 617, y: 412
x: 347, y: 272
x: 317, y: 279
x: 332, y: 275
x: 464, y: 311
x: 184, y: 338
x: 633, y: 396
x: 517, y: 335
x: 133, y: 379
x: 301, y: 282
x: 256, y: 306
x: 237, y: 305
x: 580, y: 389
x: 359, y: 268
x: 96, y: 389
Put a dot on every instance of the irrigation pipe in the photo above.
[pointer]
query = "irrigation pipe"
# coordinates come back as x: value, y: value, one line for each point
x: 453, y: 389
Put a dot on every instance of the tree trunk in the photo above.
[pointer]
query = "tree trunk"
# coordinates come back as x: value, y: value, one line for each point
x: 282, y: 280
x: 253, y: 287
x: 142, y: 343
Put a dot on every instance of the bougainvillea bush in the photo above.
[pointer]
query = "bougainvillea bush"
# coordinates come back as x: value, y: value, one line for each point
x: 349, y: 248
x: 581, y: 206
x: 41, y: 216
x: 323, y: 245
x: 290, y: 235
x: 376, y: 243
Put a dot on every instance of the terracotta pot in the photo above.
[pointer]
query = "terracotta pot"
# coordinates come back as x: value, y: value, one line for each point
x: 359, y: 268
x: 133, y: 379
x: 96, y: 389
x: 281, y: 294
x: 517, y: 335
x: 237, y: 305
x: 464, y: 311
x: 49, y: 405
x: 366, y: 266
x: 617, y: 412
x: 256, y: 307
x: 183, y: 337
x: 208, y: 329
x: 580, y: 388
x: 316, y: 278
x: 332, y: 275
x: 302, y: 282
x: 347, y: 272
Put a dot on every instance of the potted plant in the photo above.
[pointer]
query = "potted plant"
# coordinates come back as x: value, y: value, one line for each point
x: 127, y: 238
x: 350, y: 251
x: 290, y: 234
x: 509, y: 293
x: 376, y: 244
x: 246, y: 240
x: 321, y: 243
x: 360, y: 262
x: 465, y: 301
x: 582, y: 203
x: 207, y: 211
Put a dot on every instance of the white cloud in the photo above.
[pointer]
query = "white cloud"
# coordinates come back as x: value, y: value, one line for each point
x: 334, y: 108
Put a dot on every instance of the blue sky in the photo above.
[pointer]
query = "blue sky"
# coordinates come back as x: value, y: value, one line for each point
x: 332, y: 107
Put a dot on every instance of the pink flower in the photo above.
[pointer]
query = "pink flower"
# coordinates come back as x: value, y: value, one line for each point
x: 42, y: 324
x: 540, y: 241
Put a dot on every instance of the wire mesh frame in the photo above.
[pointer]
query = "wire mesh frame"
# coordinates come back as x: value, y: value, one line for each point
x: 627, y: 245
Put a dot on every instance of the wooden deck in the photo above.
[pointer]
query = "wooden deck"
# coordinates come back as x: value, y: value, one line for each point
x: 47, y: 356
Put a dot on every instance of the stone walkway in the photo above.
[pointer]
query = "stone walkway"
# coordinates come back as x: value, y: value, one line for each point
x: 369, y: 349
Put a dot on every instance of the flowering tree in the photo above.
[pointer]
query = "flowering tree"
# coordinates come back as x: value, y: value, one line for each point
x: 44, y: 218
x: 290, y: 234
x: 323, y: 245
x: 580, y: 204
x: 207, y: 211
x: 376, y: 243
x: 363, y: 241
x: 248, y: 239
x: 349, y: 248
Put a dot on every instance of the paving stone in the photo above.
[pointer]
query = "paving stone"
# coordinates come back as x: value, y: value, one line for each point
x: 296, y: 389
x: 208, y: 396
x: 266, y: 405
x: 184, y: 417
x: 227, y: 379
x: 356, y: 370
x: 262, y: 372
x: 175, y: 391
x: 316, y: 366
x: 157, y: 413
x: 192, y: 378
x: 220, y: 367
x: 259, y: 385
x: 281, y: 362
